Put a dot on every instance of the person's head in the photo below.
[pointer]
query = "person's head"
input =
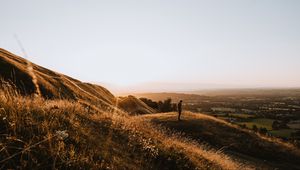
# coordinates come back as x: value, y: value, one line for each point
x: 180, y: 101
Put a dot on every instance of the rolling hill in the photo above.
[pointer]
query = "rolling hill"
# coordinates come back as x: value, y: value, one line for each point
x: 52, y: 85
x: 61, y: 134
x: 245, y: 145
x: 134, y: 106
x: 51, y: 121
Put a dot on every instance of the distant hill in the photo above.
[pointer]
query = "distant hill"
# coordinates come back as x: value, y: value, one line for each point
x: 192, y: 96
x: 249, y: 92
x: 134, y: 106
x: 174, y: 96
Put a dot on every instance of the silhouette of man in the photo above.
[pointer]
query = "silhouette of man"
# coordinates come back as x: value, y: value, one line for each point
x: 179, y: 108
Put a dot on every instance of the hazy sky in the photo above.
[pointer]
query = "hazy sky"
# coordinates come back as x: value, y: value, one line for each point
x: 246, y: 43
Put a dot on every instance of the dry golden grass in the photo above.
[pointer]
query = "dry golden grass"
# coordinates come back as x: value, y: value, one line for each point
x: 263, y: 137
x: 221, y: 134
x: 30, y: 78
x: 195, y: 151
x: 134, y: 105
x: 201, y: 155
x: 39, y: 133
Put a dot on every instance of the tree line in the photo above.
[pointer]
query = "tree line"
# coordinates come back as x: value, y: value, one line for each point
x: 161, y: 106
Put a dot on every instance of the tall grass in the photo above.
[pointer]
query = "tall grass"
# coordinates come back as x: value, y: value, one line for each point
x: 30, y: 68
x: 59, y: 134
x: 242, y: 144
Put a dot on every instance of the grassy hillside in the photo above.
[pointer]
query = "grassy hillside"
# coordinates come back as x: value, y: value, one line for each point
x: 30, y: 78
x: 37, y: 133
x: 244, y: 144
x: 52, y: 121
x: 134, y: 106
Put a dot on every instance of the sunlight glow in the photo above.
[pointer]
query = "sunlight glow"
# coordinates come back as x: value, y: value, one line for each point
x: 212, y: 43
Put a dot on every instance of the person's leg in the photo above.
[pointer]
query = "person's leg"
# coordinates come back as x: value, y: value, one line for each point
x: 179, y: 114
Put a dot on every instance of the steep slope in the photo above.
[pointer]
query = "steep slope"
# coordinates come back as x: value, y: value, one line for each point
x: 51, y: 84
x: 30, y: 78
x: 134, y: 106
x: 245, y: 145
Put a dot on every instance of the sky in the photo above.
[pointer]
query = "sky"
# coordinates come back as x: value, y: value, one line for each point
x: 164, y: 44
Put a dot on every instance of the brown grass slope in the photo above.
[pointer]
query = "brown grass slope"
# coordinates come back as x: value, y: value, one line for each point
x: 36, y: 133
x: 134, y: 105
x: 262, y: 151
x: 52, y: 85
x: 62, y: 133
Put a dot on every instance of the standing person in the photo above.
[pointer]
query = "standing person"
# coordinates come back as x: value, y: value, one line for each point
x: 179, y: 108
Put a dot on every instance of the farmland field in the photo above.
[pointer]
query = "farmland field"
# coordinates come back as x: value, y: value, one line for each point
x: 235, y: 115
x: 260, y: 123
x: 282, y: 133
x: 294, y: 125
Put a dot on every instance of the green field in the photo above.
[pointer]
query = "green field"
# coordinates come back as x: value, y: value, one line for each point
x: 267, y: 123
x: 260, y: 123
x: 282, y: 133
x: 235, y: 115
x: 241, y: 115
